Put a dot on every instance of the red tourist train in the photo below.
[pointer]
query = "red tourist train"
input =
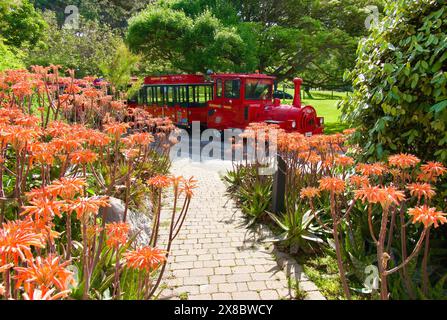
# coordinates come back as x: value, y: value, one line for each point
x: 224, y: 102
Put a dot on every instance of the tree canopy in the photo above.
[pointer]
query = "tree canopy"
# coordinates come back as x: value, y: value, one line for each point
x: 315, y: 39
x: 83, y: 50
x: 20, y: 24
x: 111, y: 12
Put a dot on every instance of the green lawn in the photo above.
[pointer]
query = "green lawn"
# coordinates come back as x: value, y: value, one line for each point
x: 326, y: 105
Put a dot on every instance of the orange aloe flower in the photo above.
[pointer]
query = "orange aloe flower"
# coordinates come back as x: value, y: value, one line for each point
x: 145, y: 258
x: 131, y: 153
x: 83, y: 157
x: 335, y: 185
x: 420, y: 190
x: 344, y: 161
x: 117, y: 233
x: 427, y: 216
x: 36, y: 294
x: 97, y: 139
x: 385, y: 196
x: 66, y: 144
x: 403, y: 160
x: 44, y: 208
x: 72, y: 89
x: 159, y: 182
x: 432, y: 170
x: 67, y: 188
x: 188, y: 186
x: 22, y: 89
x: 116, y: 129
x: 91, y: 93
x: 117, y: 105
x: 368, y: 194
x: 314, y: 158
x: 44, y: 274
x: 309, y: 193
x: 365, y: 169
x: 86, y: 206
x: 43, y: 153
x: 16, y: 239
x: 5, y: 267
x: 359, y: 181
x: 142, y: 139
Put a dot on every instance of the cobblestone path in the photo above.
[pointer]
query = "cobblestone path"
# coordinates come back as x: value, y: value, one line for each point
x: 216, y: 257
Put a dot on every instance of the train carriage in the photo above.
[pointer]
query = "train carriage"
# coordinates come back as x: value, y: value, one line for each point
x: 226, y: 101
x: 182, y: 98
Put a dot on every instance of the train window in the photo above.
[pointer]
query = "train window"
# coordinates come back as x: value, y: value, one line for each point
x: 182, y: 98
x: 210, y: 92
x: 219, y: 88
x: 202, y: 94
x: 149, y: 95
x: 233, y: 89
x: 192, y: 98
x: 154, y: 96
x: 170, y: 96
x: 161, y: 101
x: 258, y: 89
x: 142, y: 98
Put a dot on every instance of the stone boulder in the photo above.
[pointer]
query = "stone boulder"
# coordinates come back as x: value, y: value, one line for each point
x: 140, y: 223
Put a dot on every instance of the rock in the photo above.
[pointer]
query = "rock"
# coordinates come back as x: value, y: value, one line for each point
x: 140, y: 224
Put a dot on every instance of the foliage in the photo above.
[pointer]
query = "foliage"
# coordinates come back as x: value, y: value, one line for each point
x: 399, y: 103
x: 120, y: 68
x: 20, y: 24
x: 10, y: 58
x: 316, y: 41
x: 298, y: 230
x: 65, y: 151
x: 192, y: 45
x: 94, y: 44
x: 106, y: 12
x: 252, y: 192
x: 374, y: 214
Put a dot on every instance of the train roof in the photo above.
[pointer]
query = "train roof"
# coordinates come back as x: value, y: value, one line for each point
x: 243, y: 75
x: 200, y: 79
x: 176, y: 79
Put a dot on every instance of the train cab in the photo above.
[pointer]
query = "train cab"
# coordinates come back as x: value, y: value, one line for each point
x: 241, y: 99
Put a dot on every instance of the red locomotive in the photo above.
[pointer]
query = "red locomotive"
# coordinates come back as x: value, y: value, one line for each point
x: 227, y: 101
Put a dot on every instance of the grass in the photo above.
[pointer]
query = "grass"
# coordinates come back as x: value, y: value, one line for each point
x: 299, y: 294
x: 323, y: 271
x: 326, y: 106
x: 183, y: 296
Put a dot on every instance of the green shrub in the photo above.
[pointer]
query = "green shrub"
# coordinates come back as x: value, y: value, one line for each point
x: 9, y: 58
x: 400, y: 98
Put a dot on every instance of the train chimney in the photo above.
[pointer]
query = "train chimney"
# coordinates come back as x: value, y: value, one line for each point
x: 297, y: 96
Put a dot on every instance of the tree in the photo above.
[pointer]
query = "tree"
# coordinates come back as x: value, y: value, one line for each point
x: 20, y: 24
x: 83, y: 50
x: 191, y: 44
x: 114, y: 13
x: 315, y: 39
x: 118, y: 71
x: 400, y: 98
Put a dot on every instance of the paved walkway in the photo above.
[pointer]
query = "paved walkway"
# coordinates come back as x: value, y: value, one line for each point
x: 216, y: 257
